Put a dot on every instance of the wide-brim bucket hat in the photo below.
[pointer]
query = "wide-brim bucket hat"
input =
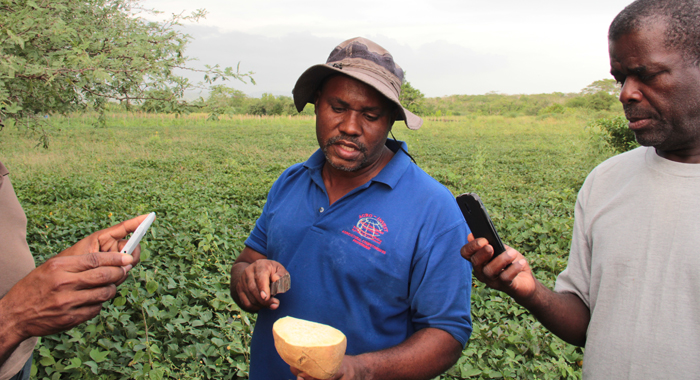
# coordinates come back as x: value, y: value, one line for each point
x: 365, y: 61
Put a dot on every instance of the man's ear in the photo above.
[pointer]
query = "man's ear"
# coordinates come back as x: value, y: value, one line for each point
x: 394, y: 117
x: 317, y: 97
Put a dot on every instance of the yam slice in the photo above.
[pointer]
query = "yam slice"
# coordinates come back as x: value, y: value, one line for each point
x: 314, y: 348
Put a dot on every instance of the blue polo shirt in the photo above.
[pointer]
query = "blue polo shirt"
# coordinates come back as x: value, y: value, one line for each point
x: 379, y: 264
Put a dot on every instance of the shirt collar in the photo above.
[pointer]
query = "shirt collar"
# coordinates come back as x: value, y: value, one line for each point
x: 389, y: 175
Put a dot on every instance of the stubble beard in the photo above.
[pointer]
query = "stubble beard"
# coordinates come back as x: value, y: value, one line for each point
x: 361, y: 147
x: 650, y: 137
x: 665, y: 137
x: 653, y: 135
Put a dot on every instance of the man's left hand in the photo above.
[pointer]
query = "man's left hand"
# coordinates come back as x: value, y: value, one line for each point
x: 110, y: 239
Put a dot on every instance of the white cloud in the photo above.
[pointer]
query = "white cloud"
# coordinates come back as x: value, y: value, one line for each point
x: 446, y: 46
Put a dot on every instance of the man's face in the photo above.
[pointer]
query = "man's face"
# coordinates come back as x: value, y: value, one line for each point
x: 660, y: 90
x: 352, y: 123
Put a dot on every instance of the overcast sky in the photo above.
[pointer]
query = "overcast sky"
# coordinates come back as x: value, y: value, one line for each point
x: 446, y: 47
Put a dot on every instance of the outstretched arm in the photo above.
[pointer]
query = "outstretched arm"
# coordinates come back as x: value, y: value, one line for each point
x: 564, y: 314
x: 424, y: 355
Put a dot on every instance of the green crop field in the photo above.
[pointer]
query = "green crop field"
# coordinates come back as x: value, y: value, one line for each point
x: 208, y: 180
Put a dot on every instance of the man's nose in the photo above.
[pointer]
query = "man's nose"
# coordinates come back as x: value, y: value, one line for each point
x: 352, y: 123
x: 631, y: 91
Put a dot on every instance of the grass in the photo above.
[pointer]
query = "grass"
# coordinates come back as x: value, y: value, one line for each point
x: 208, y: 181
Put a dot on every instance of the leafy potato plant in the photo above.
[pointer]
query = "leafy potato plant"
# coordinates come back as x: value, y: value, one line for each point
x: 208, y: 180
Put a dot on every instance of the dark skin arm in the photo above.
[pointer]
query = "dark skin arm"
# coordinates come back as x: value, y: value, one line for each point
x: 58, y: 295
x: 424, y: 355
x: 67, y: 289
x: 564, y: 314
x: 251, y: 276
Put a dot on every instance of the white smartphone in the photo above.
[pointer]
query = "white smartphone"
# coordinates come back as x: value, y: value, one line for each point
x: 138, y: 234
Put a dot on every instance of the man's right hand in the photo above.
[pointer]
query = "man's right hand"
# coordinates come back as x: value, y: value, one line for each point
x: 508, y: 272
x: 62, y: 293
x: 564, y: 314
x: 251, y: 276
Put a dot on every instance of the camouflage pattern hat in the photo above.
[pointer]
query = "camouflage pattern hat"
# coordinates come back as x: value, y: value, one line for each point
x: 365, y: 61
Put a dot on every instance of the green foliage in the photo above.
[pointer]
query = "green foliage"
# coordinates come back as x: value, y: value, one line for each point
x: 154, y: 102
x: 269, y: 104
x: 226, y: 100
x: 600, y: 95
x: 609, y: 86
x: 412, y: 99
x: 555, y: 108
x: 208, y: 180
x: 599, y: 101
x: 223, y: 99
x: 615, y: 133
x: 63, y: 55
x: 491, y: 104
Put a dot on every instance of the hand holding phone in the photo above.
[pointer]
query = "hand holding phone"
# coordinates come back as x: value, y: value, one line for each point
x: 138, y: 234
x: 479, y: 221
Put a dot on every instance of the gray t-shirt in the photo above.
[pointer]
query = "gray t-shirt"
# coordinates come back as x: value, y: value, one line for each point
x: 635, y: 261
x: 15, y: 262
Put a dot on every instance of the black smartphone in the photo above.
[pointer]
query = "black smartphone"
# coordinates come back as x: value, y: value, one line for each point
x: 479, y: 221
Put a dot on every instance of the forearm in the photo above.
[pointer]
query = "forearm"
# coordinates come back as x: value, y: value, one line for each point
x: 564, y: 314
x: 10, y: 338
x: 425, y: 355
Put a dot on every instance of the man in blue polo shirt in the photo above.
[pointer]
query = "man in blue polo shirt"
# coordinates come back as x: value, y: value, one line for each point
x: 370, y: 240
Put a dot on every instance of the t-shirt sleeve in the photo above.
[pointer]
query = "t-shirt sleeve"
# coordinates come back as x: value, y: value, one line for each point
x: 257, y: 240
x: 576, y: 278
x: 441, y: 285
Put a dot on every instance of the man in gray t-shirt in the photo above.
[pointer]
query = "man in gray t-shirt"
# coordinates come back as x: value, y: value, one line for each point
x: 631, y: 291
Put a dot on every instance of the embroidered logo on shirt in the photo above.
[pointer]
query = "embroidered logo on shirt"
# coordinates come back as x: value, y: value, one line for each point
x: 367, y: 232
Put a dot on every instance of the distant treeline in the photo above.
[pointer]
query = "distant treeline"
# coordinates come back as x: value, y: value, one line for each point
x: 222, y: 100
x: 516, y: 105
